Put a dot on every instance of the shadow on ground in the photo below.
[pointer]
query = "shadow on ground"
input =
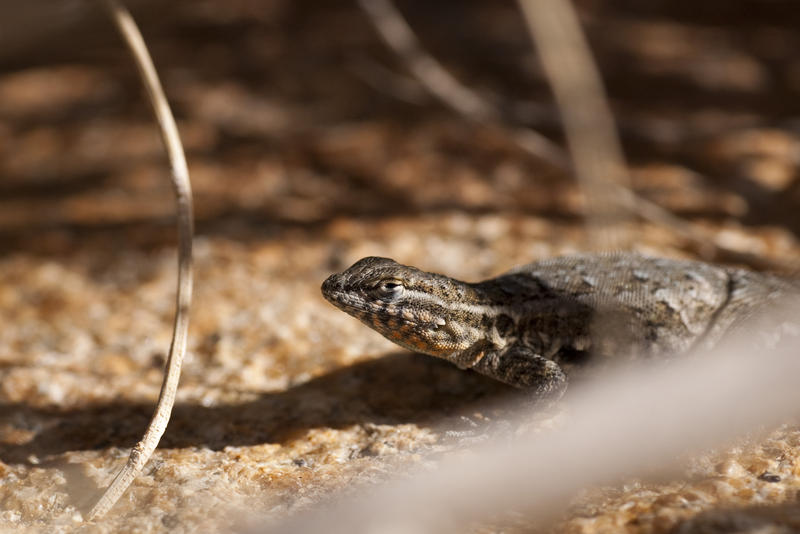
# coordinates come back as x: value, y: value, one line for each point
x: 393, y: 389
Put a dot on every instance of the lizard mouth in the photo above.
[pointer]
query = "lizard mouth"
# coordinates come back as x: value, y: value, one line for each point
x: 334, y: 292
x: 374, y: 314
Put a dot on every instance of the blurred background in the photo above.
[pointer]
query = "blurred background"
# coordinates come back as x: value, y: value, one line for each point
x: 295, y: 113
x: 310, y: 145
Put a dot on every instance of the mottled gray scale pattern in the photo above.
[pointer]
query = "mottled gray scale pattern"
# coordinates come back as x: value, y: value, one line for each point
x: 527, y: 327
x: 638, y: 302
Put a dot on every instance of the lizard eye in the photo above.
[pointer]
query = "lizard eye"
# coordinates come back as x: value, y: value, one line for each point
x: 389, y: 288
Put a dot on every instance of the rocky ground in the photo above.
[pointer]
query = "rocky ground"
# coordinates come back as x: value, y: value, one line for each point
x: 303, y: 160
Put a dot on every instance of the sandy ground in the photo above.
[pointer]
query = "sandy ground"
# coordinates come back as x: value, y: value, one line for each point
x: 301, y: 166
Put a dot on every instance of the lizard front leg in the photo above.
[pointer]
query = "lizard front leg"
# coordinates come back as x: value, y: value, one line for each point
x: 520, y: 367
x: 542, y: 381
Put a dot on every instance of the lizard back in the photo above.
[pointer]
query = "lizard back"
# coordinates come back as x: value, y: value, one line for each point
x: 630, y: 303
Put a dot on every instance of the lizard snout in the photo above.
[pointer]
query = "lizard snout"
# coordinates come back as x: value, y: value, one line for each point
x: 331, y: 286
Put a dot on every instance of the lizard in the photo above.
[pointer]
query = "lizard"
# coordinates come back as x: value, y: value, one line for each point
x: 532, y: 326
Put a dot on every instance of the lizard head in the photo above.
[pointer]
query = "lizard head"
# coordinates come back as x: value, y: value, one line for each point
x: 421, y: 311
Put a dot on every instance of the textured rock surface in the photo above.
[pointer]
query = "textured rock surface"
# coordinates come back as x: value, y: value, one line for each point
x: 283, y: 399
x: 300, y: 168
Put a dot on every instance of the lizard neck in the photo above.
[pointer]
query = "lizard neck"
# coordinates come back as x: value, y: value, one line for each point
x: 472, y: 314
x: 456, y: 317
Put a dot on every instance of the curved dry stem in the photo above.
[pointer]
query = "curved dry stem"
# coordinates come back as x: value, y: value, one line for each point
x: 141, y: 453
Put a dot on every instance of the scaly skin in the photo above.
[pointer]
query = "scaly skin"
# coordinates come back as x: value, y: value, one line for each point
x: 526, y: 327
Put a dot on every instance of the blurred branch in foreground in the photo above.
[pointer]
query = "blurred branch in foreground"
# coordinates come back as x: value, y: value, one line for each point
x: 628, y: 422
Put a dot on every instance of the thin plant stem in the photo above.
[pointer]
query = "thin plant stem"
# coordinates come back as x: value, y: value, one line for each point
x: 141, y: 453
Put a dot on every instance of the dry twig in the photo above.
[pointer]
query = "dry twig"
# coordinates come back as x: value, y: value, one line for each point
x: 141, y: 453
x: 400, y: 38
x: 588, y: 121
x: 398, y: 35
